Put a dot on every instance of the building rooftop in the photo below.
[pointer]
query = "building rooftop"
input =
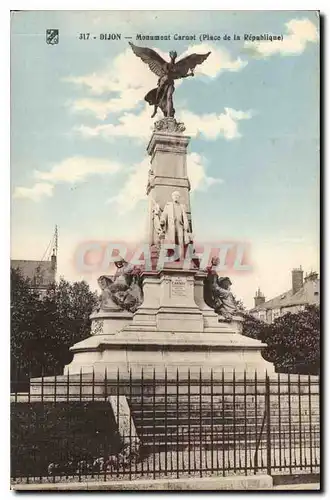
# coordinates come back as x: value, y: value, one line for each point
x: 306, y: 295
x: 40, y: 273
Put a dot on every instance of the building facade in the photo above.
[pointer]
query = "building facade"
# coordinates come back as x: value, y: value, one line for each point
x: 41, y: 274
x: 304, y: 291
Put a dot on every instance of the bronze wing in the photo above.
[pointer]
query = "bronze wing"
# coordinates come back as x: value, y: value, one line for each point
x: 155, y: 62
x: 182, y: 67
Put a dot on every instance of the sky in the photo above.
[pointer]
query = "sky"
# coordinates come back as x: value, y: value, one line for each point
x: 80, y: 127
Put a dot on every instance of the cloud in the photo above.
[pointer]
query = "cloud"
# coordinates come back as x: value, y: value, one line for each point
x: 77, y: 169
x: 212, y: 125
x: 125, y: 72
x: 128, y: 79
x: 101, y: 109
x: 36, y: 192
x: 218, y: 61
x: 199, y: 180
x: 300, y: 32
x: 134, y: 189
x: 70, y: 170
x: 139, y: 126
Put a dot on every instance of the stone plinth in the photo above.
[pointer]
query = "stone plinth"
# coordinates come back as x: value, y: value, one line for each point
x: 175, y: 330
x: 177, y: 311
x: 109, y: 322
x: 150, y: 350
x: 104, y: 325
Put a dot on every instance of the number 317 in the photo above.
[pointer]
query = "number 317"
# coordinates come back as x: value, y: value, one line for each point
x: 84, y: 36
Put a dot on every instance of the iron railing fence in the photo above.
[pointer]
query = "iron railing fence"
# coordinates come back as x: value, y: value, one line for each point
x: 93, y: 426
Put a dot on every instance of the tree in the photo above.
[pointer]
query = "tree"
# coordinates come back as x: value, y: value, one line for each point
x: 25, y: 308
x: 293, y: 340
x: 68, y: 306
x: 43, y: 329
x: 254, y: 328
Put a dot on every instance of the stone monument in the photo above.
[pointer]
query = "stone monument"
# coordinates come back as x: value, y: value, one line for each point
x: 172, y: 327
x: 171, y: 316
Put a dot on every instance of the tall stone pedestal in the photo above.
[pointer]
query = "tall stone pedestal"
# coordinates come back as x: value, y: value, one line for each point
x: 173, y: 329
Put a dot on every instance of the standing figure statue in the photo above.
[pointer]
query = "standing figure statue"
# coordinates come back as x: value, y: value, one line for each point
x: 175, y: 222
x: 162, y: 96
x: 159, y: 233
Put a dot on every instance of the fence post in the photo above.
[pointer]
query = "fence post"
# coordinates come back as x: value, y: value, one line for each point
x: 268, y: 425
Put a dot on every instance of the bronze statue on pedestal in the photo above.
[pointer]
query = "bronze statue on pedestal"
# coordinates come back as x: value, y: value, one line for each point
x: 162, y: 96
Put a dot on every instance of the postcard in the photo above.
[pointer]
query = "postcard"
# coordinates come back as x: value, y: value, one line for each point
x: 165, y: 227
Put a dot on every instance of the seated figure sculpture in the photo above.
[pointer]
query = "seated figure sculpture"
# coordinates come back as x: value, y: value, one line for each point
x: 217, y: 293
x: 225, y: 303
x: 123, y: 289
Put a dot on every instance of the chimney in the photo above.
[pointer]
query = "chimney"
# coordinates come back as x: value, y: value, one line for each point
x: 297, y: 279
x: 259, y: 298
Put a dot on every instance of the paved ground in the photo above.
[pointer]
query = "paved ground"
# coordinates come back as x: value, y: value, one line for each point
x: 261, y: 482
x: 148, y: 486
x: 237, y: 483
x: 308, y: 486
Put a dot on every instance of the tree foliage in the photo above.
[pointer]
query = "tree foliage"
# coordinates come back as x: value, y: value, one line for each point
x: 293, y: 340
x: 43, y: 328
x: 42, y: 432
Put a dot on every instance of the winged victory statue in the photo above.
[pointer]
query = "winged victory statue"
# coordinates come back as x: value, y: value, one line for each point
x: 162, y: 96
